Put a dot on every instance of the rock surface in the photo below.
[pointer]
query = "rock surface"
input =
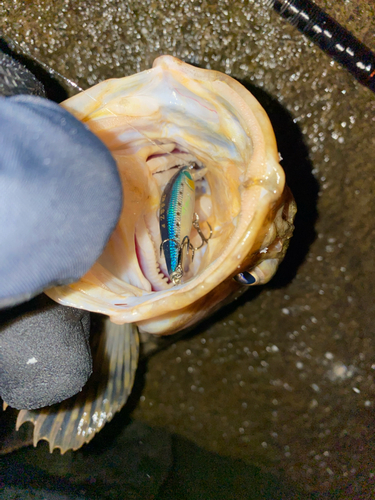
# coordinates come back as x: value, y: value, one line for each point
x: 284, y: 378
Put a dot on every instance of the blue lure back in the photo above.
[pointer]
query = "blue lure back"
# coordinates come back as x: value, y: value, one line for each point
x: 176, y: 221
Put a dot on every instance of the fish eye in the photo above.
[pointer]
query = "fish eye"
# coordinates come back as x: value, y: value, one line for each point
x: 245, y: 278
x: 259, y: 274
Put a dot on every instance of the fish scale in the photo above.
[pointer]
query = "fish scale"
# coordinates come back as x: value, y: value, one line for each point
x: 176, y: 216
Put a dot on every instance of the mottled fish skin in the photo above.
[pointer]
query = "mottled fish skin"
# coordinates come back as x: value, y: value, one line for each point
x: 176, y: 216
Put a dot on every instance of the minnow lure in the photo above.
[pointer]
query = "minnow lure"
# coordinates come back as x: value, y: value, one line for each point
x: 176, y: 220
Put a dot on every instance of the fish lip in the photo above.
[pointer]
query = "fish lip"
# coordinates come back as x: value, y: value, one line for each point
x: 256, y: 197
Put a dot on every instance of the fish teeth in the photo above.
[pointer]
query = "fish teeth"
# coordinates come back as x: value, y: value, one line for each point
x: 148, y: 258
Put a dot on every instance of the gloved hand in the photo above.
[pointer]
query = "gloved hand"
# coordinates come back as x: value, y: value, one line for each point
x: 60, y: 199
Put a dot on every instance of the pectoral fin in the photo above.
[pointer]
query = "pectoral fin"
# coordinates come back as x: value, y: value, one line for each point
x: 72, y: 423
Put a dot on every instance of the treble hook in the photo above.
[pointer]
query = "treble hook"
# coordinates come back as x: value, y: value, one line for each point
x: 186, y: 242
x: 177, y: 274
x: 165, y: 241
x: 199, y: 231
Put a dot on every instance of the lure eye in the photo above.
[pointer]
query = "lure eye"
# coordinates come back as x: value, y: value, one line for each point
x: 245, y: 278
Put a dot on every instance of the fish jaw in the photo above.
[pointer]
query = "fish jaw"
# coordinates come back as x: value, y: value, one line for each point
x: 153, y: 122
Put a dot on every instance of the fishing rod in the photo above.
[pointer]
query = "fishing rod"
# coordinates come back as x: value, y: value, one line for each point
x: 330, y: 36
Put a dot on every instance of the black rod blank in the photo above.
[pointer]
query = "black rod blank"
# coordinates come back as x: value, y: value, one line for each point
x: 331, y: 37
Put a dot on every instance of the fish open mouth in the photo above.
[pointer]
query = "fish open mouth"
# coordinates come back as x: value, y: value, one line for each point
x: 154, y: 124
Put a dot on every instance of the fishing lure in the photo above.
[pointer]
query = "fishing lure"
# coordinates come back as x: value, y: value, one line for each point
x: 176, y: 220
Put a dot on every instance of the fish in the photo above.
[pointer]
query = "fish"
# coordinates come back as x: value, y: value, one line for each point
x: 170, y: 125
x: 153, y: 123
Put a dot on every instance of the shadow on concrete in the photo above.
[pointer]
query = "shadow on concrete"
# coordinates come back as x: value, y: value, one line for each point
x: 54, y: 90
x: 198, y: 474
x: 139, y: 463
x: 299, y: 177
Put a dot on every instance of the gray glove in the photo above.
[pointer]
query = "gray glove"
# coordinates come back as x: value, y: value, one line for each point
x: 60, y: 199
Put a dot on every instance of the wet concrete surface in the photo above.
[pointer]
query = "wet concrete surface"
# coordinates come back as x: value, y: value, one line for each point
x: 136, y: 463
x: 283, y: 379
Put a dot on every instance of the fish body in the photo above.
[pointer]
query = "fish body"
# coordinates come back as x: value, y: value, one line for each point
x: 176, y: 221
x: 156, y: 123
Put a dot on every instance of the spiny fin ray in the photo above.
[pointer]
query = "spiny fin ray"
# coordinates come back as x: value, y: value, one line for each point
x: 74, y: 422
